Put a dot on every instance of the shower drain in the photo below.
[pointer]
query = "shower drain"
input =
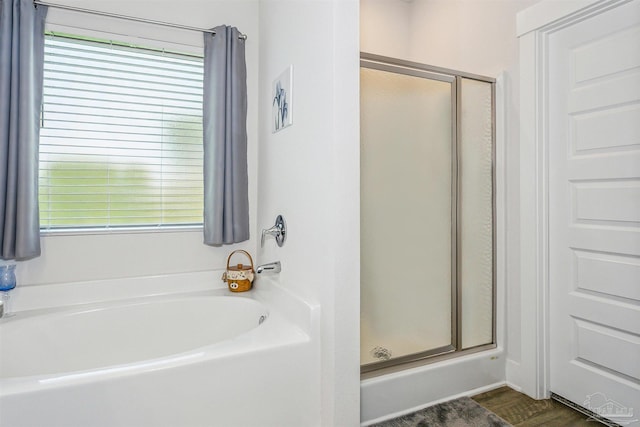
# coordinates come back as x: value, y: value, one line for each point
x: 381, y: 353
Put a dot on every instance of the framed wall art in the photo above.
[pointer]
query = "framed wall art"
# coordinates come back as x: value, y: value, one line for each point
x: 281, y: 97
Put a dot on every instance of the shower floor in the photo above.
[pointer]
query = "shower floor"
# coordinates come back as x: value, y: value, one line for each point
x: 377, y: 347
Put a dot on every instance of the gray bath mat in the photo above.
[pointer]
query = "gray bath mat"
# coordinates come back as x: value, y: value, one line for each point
x: 462, y: 412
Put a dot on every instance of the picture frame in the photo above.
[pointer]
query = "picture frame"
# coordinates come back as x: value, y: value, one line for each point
x: 281, y: 100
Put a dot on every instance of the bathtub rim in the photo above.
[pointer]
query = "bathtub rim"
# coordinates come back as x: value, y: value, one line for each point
x: 292, y: 320
x: 32, y: 317
x: 300, y: 310
x: 275, y: 332
x: 80, y: 307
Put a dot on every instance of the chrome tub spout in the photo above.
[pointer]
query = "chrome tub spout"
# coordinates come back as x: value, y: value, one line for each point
x: 272, y: 267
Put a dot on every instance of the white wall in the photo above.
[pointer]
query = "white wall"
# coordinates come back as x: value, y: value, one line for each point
x: 309, y: 173
x: 384, y: 27
x: 70, y: 258
x: 477, y: 36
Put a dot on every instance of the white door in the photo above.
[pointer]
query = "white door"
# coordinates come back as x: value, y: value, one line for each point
x: 594, y: 212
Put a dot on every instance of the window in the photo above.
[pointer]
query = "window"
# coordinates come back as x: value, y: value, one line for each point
x: 121, y: 136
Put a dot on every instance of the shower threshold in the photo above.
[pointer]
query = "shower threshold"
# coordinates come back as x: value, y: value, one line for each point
x: 383, y: 367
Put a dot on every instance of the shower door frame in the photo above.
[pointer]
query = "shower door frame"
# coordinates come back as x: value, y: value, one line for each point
x: 394, y: 65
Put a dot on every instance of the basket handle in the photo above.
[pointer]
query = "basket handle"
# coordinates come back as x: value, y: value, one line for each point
x: 244, y: 252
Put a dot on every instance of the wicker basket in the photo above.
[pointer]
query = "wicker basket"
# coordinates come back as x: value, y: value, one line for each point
x: 239, y: 278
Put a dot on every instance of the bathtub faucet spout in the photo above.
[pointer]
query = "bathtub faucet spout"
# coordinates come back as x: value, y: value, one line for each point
x: 272, y: 267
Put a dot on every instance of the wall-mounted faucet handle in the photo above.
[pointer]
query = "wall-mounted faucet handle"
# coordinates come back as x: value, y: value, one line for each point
x: 273, y: 231
x: 272, y: 267
x: 279, y: 231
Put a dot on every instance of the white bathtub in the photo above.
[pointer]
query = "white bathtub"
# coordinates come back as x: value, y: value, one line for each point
x: 198, y: 358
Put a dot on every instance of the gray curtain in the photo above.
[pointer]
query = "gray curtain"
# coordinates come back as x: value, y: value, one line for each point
x: 226, y: 198
x: 21, y: 69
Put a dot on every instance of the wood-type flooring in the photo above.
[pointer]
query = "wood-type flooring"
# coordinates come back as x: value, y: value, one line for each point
x: 522, y: 411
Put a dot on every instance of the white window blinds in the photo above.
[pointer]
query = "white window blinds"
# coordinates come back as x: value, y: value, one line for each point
x: 121, y: 136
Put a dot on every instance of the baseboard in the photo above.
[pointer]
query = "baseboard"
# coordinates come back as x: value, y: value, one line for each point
x: 512, y: 371
x: 514, y: 386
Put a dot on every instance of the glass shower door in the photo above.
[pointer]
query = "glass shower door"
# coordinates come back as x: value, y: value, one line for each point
x: 407, y: 204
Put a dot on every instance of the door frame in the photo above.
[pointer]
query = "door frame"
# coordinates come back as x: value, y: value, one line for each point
x: 534, y: 26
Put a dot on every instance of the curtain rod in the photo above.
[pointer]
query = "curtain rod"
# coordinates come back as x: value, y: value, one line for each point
x: 130, y: 18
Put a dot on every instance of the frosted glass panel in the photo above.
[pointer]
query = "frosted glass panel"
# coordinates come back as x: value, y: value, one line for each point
x: 406, y: 179
x: 476, y: 213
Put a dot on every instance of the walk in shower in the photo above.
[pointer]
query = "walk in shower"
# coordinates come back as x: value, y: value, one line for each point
x: 427, y: 212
